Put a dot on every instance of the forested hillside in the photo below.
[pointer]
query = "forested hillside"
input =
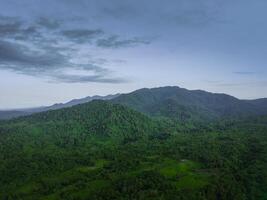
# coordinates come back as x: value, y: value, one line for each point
x: 9, y: 114
x: 99, y: 150
x: 172, y: 102
x: 91, y: 108
x: 190, y: 105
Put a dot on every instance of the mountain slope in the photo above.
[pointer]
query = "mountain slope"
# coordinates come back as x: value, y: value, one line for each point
x: 9, y: 114
x: 72, y: 103
x: 183, y: 104
x: 100, y: 150
x: 56, y: 140
x: 96, y: 117
x: 260, y: 103
x: 171, y: 102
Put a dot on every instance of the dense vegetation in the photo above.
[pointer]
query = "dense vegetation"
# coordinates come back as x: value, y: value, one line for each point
x: 171, y: 102
x: 190, y: 105
x: 101, y: 150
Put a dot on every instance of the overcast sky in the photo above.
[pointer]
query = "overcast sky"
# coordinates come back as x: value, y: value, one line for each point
x: 56, y: 50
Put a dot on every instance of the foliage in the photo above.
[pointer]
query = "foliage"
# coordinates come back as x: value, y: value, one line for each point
x: 190, y: 105
x: 103, y: 151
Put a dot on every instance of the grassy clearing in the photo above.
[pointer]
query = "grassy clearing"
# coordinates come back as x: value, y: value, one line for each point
x: 184, y: 173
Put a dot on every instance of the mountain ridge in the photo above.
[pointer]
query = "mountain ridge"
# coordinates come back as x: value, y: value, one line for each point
x: 103, y: 150
x: 172, y: 101
x: 8, y: 114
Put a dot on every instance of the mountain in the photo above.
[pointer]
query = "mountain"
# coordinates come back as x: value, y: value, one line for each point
x: 8, y: 114
x: 171, y: 102
x: 57, y: 140
x: 72, y: 103
x: 101, y: 150
x: 260, y: 103
x: 23, y: 112
x: 97, y: 116
x: 183, y: 104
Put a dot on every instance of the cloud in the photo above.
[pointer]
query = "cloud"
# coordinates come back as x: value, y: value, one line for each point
x: 11, y: 27
x: 48, y: 23
x: 89, y: 78
x: 115, y: 42
x: 245, y: 73
x: 13, y: 54
x: 186, y: 13
x: 37, y: 43
x: 259, y: 83
x: 51, y: 63
x: 82, y: 35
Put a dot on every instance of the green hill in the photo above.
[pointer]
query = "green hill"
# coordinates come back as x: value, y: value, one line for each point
x: 53, y: 141
x: 95, y: 118
x: 105, y: 151
x: 186, y: 105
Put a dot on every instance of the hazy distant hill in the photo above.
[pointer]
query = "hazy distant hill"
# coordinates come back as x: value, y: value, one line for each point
x: 22, y: 112
x: 172, y: 102
x: 11, y: 114
x: 186, y: 104
x: 260, y: 103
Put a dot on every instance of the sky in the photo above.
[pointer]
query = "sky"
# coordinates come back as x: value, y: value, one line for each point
x: 55, y: 50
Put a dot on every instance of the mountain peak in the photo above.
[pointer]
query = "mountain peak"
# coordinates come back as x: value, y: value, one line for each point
x: 191, y: 103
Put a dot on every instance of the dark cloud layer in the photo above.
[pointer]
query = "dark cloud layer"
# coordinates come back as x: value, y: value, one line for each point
x: 12, y: 27
x: 82, y: 35
x: 47, y: 45
x: 116, y: 42
x: 7, y: 29
x: 49, y: 63
x: 84, y: 79
x: 47, y: 36
x: 35, y: 55
x: 35, y: 44
x: 15, y: 54
x: 48, y: 23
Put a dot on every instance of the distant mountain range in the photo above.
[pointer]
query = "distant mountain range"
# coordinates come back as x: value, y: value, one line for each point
x: 183, y: 104
x: 106, y: 149
x: 8, y: 114
x: 171, y: 102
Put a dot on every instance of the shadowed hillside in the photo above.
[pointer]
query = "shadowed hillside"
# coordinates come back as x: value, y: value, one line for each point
x: 183, y: 104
